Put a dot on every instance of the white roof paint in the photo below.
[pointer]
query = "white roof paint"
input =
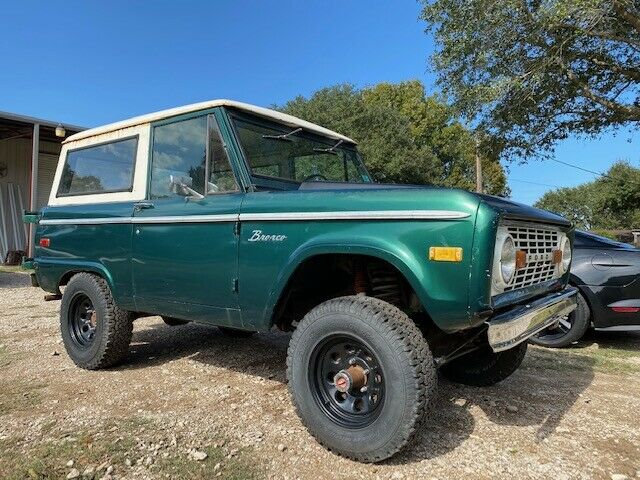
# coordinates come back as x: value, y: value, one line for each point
x: 289, y: 120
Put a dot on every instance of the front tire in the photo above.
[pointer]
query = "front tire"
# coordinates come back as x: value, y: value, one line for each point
x: 483, y: 367
x: 360, y: 375
x: 96, y: 333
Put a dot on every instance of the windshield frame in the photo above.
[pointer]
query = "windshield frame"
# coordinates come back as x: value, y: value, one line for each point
x: 271, y: 182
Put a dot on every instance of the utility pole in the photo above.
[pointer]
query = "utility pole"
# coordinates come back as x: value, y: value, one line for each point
x: 478, y: 168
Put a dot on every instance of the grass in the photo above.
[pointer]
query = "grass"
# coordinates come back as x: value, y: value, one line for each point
x: 112, y: 444
x: 19, y: 395
x: 14, y: 269
x: 607, y: 360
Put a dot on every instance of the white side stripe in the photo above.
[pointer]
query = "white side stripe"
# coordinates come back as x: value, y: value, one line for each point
x: 269, y: 217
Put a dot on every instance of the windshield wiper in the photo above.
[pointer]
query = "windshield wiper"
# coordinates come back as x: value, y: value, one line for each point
x: 283, y: 136
x: 331, y: 150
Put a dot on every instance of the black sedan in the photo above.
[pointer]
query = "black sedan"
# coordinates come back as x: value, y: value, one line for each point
x: 607, y: 274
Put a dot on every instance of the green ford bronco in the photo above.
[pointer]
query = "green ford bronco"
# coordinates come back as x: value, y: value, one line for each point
x: 248, y: 219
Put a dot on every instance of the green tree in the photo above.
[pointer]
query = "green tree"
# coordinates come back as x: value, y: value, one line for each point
x: 610, y: 202
x: 403, y: 135
x: 532, y: 72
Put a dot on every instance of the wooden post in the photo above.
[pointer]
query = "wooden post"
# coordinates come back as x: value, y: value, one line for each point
x: 478, y: 168
x: 35, y: 153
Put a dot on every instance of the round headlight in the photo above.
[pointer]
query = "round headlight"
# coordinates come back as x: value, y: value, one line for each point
x: 566, y: 255
x: 508, y: 259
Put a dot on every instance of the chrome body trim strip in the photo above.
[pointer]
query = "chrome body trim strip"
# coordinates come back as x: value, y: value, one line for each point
x: 506, y: 330
x: 355, y: 215
x: 270, y: 217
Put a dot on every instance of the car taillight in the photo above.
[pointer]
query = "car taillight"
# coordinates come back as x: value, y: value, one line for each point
x: 626, y: 309
x: 45, y: 242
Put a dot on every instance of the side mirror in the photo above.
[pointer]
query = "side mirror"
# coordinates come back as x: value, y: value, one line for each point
x: 182, y: 186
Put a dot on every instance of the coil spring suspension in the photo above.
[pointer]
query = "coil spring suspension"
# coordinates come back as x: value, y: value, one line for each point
x: 384, y: 283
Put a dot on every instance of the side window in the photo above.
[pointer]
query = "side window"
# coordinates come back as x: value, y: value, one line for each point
x: 104, y: 168
x: 221, y: 178
x: 179, y: 160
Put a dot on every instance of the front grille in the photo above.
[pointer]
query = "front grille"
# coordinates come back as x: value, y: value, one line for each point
x: 538, y: 242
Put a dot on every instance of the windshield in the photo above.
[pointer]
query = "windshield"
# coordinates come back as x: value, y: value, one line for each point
x: 292, y: 154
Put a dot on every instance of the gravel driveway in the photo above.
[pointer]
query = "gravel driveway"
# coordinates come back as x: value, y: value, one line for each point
x: 191, y: 403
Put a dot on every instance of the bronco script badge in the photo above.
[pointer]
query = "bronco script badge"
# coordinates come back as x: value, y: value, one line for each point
x: 258, y: 236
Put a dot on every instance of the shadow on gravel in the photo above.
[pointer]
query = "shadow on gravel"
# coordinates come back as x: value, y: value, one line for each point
x: 14, y: 280
x: 262, y: 355
x: 538, y: 395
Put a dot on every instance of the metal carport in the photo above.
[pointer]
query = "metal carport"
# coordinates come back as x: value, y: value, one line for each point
x: 29, y: 149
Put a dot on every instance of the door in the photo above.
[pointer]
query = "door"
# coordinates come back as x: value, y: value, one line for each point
x: 185, y: 247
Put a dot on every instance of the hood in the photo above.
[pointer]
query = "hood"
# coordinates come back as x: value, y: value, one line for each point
x: 519, y: 211
x: 505, y: 208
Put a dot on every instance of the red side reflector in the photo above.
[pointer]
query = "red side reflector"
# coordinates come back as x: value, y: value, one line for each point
x: 626, y: 309
x: 45, y: 242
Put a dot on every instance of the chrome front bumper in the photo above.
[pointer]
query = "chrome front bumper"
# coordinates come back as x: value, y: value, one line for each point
x: 508, y: 329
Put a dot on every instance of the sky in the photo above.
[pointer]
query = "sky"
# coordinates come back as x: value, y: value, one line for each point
x: 91, y: 63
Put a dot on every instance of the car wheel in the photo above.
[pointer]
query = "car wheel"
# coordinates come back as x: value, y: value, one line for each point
x: 360, y: 375
x: 484, y: 367
x: 236, y: 332
x: 174, y: 322
x: 569, y: 329
x: 96, y: 333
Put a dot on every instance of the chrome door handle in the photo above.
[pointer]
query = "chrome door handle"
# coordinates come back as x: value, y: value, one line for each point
x: 142, y: 206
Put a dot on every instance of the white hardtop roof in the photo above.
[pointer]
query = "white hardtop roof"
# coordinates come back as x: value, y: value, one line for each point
x: 289, y: 120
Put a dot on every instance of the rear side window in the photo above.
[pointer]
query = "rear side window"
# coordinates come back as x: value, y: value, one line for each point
x: 103, y: 168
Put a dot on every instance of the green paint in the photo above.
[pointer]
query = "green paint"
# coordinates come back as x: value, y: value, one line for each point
x: 188, y: 270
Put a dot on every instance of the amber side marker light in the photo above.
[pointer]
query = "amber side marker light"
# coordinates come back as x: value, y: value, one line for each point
x: 557, y: 256
x: 445, y: 254
x: 521, y: 259
x: 44, y: 242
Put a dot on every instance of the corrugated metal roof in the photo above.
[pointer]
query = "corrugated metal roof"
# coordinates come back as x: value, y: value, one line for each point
x: 49, y: 123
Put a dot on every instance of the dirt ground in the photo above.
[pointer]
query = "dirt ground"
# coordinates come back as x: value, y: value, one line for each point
x: 186, y: 393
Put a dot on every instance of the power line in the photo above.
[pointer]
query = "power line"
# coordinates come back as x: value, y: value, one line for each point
x: 580, y: 168
x: 534, y: 183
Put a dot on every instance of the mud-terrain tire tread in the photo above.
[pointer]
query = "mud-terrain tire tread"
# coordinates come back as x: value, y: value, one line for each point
x: 487, y: 369
x: 118, y: 323
x: 396, y: 327
x: 580, y: 325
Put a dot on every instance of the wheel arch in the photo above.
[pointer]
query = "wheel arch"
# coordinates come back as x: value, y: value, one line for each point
x: 402, y: 263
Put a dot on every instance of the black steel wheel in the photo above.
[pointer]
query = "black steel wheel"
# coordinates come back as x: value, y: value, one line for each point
x: 569, y: 328
x: 361, y: 376
x: 95, y: 331
x: 348, y: 382
x: 83, y: 321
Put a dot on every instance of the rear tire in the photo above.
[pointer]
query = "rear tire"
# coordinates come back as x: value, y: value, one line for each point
x: 362, y: 339
x: 572, y: 329
x: 484, y: 367
x: 96, y: 333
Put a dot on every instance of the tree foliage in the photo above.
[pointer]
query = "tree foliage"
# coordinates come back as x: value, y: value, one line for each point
x: 403, y: 135
x: 532, y: 72
x: 610, y: 202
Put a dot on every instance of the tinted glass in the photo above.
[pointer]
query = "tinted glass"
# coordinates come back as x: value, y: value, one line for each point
x: 178, y: 158
x: 100, y: 169
x: 299, y: 156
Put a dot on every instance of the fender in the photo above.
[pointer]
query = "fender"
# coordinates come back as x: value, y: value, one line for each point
x: 51, y: 271
x: 415, y: 270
